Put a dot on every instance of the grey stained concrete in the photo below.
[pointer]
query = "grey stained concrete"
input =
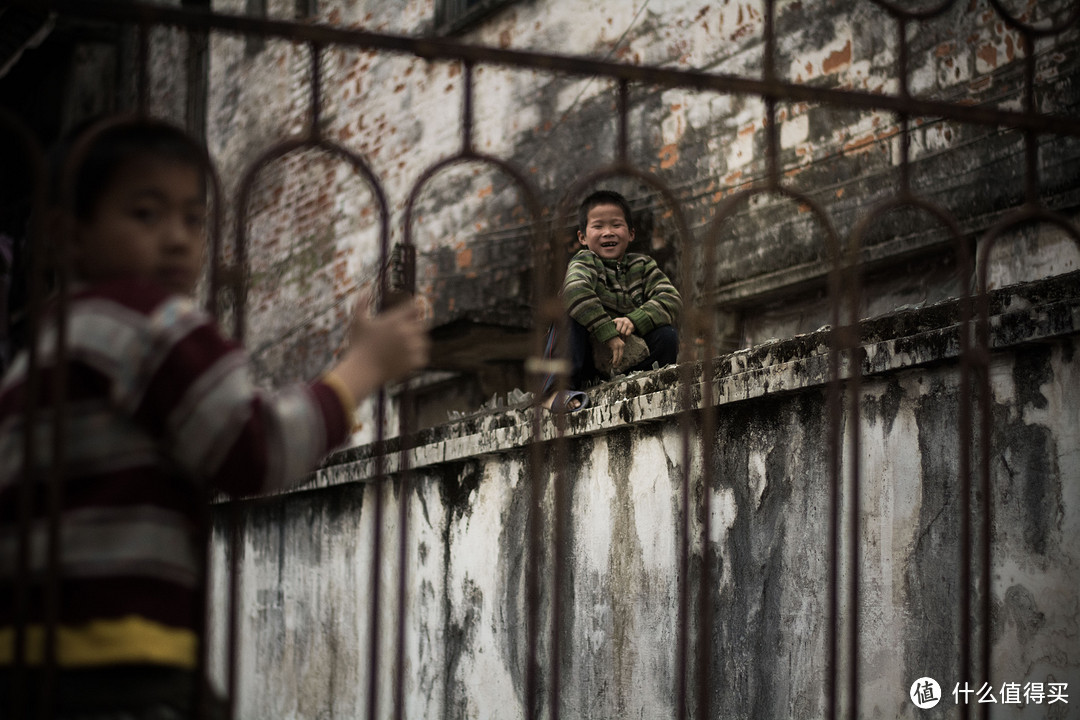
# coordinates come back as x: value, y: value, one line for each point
x: 306, y: 557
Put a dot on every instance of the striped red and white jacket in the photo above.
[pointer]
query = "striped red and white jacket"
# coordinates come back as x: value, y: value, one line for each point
x: 161, y: 412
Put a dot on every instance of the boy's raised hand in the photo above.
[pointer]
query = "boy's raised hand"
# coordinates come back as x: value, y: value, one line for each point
x: 387, y: 347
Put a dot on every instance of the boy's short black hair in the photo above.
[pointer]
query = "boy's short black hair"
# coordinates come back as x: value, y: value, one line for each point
x: 602, y: 197
x: 90, y: 157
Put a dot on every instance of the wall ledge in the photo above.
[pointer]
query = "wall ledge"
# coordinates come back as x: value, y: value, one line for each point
x: 906, y: 338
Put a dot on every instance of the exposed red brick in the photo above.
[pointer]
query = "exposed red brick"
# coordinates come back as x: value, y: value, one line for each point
x: 741, y: 32
x: 669, y: 155
x: 837, y: 60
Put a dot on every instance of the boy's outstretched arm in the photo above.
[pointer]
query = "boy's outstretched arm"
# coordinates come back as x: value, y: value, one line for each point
x: 382, y: 349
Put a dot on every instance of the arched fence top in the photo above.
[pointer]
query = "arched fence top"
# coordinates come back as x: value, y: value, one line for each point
x: 927, y: 10
x: 1049, y: 29
x: 529, y: 192
x: 907, y: 200
x: 567, y: 206
x: 1023, y: 216
x: 833, y: 249
x: 247, y: 183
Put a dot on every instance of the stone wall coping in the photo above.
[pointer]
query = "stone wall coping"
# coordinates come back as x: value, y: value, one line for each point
x: 905, y: 338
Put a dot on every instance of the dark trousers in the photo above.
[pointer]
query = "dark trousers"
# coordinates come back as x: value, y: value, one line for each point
x: 663, y: 345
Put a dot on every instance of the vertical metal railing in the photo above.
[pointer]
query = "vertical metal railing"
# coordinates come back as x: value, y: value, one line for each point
x: 35, y: 160
x: 548, y: 453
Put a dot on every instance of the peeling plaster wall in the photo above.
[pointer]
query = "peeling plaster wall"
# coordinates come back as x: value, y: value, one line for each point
x: 305, y: 557
x: 315, y: 225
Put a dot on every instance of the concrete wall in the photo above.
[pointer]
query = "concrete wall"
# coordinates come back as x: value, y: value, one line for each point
x: 306, y: 556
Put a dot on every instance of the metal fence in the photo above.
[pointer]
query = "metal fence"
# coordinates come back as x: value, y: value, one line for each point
x: 844, y: 288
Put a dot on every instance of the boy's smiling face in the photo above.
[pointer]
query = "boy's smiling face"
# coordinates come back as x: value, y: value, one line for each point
x: 607, y: 233
x: 148, y: 224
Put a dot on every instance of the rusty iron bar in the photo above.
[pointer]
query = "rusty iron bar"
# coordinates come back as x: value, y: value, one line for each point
x: 444, y: 49
x: 467, y: 115
x: 375, y: 591
x: 772, y: 146
x: 316, y: 90
x: 687, y: 415
x: 1028, y: 214
x: 1033, y: 31
x: 248, y: 177
x: 201, y: 691
x: 405, y: 424
x: 55, y: 499
x: 622, y: 142
x: 902, y: 118
x: 142, y: 77
x: 839, y: 343
x: 560, y: 481
x: 61, y: 249
x: 970, y: 365
x: 905, y: 198
x: 541, y: 284
x: 705, y: 328
x: 537, y: 456
x: 33, y: 155
x: 1031, y: 140
x: 772, y: 130
x: 904, y: 13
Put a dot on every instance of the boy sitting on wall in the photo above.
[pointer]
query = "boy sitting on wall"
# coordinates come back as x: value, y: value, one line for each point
x: 622, y: 307
x: 161, y: 409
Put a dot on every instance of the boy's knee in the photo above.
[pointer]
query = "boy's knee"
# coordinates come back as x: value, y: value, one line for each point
x: 664, y: 336
x: 663, y: 343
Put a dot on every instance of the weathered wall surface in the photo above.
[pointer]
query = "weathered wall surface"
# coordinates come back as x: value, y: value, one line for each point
x: 314, y: 226
x: 306, y: 557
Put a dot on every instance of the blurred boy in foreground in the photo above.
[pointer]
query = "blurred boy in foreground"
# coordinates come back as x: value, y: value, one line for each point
x: 161, y: 408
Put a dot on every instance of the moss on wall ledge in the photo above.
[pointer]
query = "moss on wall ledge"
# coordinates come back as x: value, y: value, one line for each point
x: 1024, y: 313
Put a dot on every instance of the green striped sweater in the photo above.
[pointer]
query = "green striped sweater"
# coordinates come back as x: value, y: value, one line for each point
x: 596, y: 291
